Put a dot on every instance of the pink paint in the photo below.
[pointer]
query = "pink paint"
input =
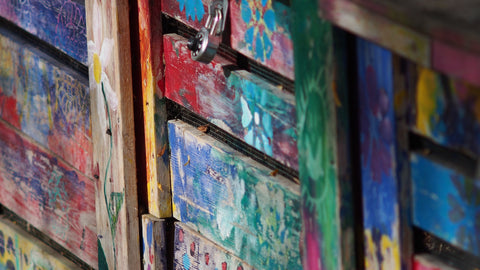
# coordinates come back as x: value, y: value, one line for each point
x: 313, y: 259
x: 456, y: 62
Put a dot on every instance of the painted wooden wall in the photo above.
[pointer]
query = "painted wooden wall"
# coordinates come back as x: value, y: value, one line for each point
x: 154, y: 243
x: 18, y: 250
x: 60, y: 23
x: 234, y: 201
x: 45, y: 161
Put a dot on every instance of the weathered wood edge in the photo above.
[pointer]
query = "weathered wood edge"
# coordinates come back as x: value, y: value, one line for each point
x: 154, y: 243
x: 108, y: 35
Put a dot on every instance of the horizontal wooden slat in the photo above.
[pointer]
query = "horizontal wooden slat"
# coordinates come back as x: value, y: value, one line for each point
x: 47, y: 193
x: 446, y: 204
x: 193, y: 251
x: 60, y: 23
x: 45, y: 100
x: 19, y: 250
x: 239, y: 102
x: 234, y: 201
x: 447, y: 111
x: 261, y: 31
x: 193, y: 13
x: 428, y: 262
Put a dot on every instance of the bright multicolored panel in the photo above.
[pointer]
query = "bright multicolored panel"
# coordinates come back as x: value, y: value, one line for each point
x: 446, y: 204
x: 261, y: 30
x: 60, y: 23
x: 428, y: 262
x: 154, y: 243
x: 191, y: 12
x: 241, y: 103
x: 448, y: 111
x: 20, y: 251
x: 234, y: 201
x: 49, y: 194
x: 46, y: 102
x: 194, y: 252
x: 377, y: 138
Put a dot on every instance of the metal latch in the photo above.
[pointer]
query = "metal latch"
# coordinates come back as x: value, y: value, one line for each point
x: 204, y: 44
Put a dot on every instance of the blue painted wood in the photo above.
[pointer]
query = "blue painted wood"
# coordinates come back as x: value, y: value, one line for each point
x: 233, y: 200
x: 58, y: 22
x: 154, y: 243
x: 446, y: 203
x: 380, y: 190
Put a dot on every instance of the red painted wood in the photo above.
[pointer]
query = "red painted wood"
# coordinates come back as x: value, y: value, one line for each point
x: 193, y: 13
x: 239, y: 102
x: 47, y: 193
x: 428, y: 262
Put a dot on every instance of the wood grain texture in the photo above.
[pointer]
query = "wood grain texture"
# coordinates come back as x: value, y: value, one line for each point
x: 237, y: 101
x: 261, y: 31
x: 322, y: 128
x: 154, y: 109
x: 380, y: 188
x: 60, y: 23
x: 234, y: 201
x: 446, y: 204
x: 194, y: 252
x: 49, y: 194
x: 154, y: 243
x: 109, y: 62
x: 447, y: 111
x: 19, y: 250
x: 46, y: 101
x: 428, y: 262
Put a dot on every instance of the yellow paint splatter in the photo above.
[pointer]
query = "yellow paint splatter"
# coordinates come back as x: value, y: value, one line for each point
x: 97, y: 68
x: 389, y: 250
x: 426, y: 105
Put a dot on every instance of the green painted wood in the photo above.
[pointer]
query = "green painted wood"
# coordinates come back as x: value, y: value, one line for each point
x: 323, y: 135
x: 234, y: 201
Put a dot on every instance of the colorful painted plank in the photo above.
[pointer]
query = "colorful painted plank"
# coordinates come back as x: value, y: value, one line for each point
x: 60, y: 23
x: 322, y: 142
x: 447, y: 111
x: 428, y: 262
x: 108, y: 33
x: 239, y: 102
x: 154, y: 243
x: 446, y: 204
x: 154, y: 110
x: 380, y: 188
x: 261, y: 31
x: 19, y: 250
x: 44, y: 100
x: 193, y: 13
x: 194, y: 252
x: 50, y: 195
x: 234, y: 201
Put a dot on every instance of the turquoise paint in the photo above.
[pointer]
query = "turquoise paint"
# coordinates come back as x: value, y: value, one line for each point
x: 194, y: 9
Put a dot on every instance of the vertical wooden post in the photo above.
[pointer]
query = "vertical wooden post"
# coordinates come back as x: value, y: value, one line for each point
x: 109, y: 63
x: 325, y: 186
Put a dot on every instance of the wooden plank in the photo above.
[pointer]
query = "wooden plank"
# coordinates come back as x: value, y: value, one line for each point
x: 49, y: 194
x: 113, y: 134
x: 447, y: 111
x: 428, y: 262
x: 19, y: 250
x: 369, y: 25
x: 60, y: 23
x: 234, y: 201
x: 193, y: 251
x: 261, y: 31
x: 154, y: 109
x: 46, y: 101
x: 193, y: 13
x: 239, y: 102
x: 154, y: 243
x: 451, y: 201
x: 323, y: 145
x: 380, y: 188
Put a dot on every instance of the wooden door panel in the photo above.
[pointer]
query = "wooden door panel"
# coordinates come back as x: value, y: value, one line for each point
x: 52, y: 196
x: 193, y: 251
x: 234, y: 201
x: 60, y: 23
x: 447, y: 111
x: 18, y: 250
x: 446, y: 203
x: 47, y: 101
x: 243, y: 104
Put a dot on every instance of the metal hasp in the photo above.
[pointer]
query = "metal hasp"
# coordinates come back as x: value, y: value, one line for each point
x: 204, y: 44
